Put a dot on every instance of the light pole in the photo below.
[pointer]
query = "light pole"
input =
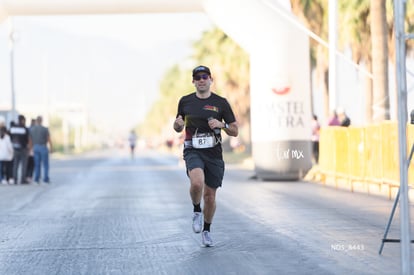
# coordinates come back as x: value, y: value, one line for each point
x: 400, y: 50
x: 12, y: 40
x: 333, y: 41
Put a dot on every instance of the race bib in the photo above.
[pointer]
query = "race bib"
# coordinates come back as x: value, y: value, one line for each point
x: 201, y: 141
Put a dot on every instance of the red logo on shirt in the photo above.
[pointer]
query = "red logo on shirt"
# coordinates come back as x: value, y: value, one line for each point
x: 211, y: 108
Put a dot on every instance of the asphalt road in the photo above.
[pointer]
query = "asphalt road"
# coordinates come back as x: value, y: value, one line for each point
x: 105, y: 213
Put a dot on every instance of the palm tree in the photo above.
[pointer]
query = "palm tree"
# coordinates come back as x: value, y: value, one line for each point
x: 231, y: 71
x: 379, y: 59
x: 356, y: 34
x: 230, y: 68
x: 409, y: 22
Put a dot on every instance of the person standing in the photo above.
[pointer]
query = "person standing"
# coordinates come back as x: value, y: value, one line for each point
x: 21, y: 141
x: 333, y: 119
x: 132, y: 139
x: 9, y: 164
x: 316, y: 127
x: 203, y: 114
x: 345, y: 121
x: 6, y: 155
x: 30, y: 159
x: 41, y: 138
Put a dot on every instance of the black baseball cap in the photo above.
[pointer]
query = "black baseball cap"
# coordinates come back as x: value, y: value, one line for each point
x: 200, y: 69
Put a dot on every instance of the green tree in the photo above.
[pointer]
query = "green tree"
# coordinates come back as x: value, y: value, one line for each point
x: 175, y: 83
x: 356, y: 33
x: 355, y: 29
x: 409, y: 23
x: 360, y: 18
x: 230, y: 68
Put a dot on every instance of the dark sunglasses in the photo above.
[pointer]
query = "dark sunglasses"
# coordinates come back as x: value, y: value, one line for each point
x: 203, y: 76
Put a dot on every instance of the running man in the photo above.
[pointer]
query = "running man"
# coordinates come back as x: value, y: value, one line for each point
x: 132, y: 139
x: 204, y: 114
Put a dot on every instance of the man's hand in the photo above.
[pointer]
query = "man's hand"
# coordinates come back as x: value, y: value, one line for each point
x: 179, y: 124
x: 215, y: 124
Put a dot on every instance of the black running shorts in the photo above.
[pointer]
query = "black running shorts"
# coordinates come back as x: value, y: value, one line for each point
x: 213, y: 168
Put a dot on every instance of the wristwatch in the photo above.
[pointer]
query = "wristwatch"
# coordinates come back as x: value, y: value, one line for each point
x: 226, y: 126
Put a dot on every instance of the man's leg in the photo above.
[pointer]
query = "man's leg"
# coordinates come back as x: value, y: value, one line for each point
x: 45, y: 159
x: 196, y: 185
x: 37, y: 163
x: 9, y: 170
x: 209, y: 203
x: 196, y: 190
x: 16, y: 162
x: 1, y: 171
x: 25, y: 156
x: 209, y: 210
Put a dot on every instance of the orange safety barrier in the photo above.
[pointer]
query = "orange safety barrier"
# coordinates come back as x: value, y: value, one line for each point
x: 366, y: 154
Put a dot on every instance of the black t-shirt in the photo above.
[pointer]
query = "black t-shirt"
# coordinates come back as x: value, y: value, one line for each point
x: 196, y: 112
x: 19, y: 136
x: 346, y: 122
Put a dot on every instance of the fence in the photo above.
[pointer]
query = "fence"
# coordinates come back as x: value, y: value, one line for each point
x: 362, y: 155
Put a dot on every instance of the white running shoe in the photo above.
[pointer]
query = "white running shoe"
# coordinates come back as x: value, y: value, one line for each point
x: 197, y: 222
x: 206, y: 239
x: 3, y: 181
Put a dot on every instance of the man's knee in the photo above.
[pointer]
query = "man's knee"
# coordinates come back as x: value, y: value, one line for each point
x: 197, y: 184
x: 209, y: 195
x: 197, y: 177
x: 209, y: 199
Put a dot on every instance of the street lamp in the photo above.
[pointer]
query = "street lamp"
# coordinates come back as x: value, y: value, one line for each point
x: 12, y: 40
x: 333, y: 43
